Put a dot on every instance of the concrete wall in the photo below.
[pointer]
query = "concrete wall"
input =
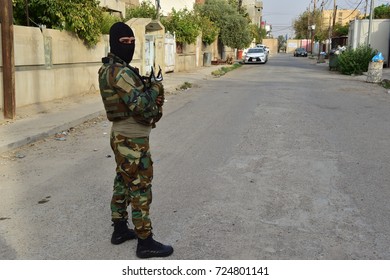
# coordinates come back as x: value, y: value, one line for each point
x: 272, y: 44
x: 380, y: 35
x: 52, y: 64
x: 293, y: 44
x: 190, y: 57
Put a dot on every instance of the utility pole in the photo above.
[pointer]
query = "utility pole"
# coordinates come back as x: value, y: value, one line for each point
x: 7, y: 42
x: 321, y: 45
x: 308, y: 23
x: 313, y: 25
x: 334, y: 14
x: 365, y: 9
x: 27, y: 13
x: 370, y: 22
x: 332, y: 22
x: 158, y: 7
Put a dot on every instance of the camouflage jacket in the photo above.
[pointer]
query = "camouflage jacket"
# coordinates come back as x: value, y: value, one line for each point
x: 125, y: 94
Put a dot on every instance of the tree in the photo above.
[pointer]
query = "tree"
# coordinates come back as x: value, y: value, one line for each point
x: 382, y: 12
x: 257, y: 33
x: 281, y: 43
x: 209, y: 30
x: 234, y: 29
x: 304, y: 21
x: 238, y: 40
x: 82, y: 17
x: 184, y: 24
x: 340, y: 30
x: 145, y: 10
x: 301, y: 26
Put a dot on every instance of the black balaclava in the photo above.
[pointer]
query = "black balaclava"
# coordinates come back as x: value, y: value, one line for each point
x: 123, y: 51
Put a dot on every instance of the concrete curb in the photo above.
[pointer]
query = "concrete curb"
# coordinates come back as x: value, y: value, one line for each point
x: 39, y: 135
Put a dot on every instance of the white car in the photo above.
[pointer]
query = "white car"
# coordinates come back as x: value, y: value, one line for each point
x: 263, y: 46
x: 256, y: 55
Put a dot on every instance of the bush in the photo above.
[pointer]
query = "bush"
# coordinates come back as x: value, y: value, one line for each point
x: 107, y: 21
x: 223, y: 70
x: 355, y: 61
x: 82, y: 17
x: 183, y: 24
x: 145, y: 10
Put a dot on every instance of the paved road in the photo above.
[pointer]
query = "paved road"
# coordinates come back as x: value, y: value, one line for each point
x: 279, y: 161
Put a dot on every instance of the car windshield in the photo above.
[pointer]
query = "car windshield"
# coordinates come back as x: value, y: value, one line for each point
x: 301, y: 49
x: 255, y: 50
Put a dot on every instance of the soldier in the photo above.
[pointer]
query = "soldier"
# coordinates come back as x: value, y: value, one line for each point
x: 133, y: 105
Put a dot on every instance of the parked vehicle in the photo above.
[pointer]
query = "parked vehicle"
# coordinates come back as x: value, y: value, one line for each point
x: 256, y: 55
x: 300, y: 52
x: 263, y: 46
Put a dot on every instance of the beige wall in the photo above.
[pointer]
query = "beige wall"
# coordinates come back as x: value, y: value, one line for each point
x: 342, y: 17
x: 190, y: 58
x: 52, y: 64
x: 272, y: 44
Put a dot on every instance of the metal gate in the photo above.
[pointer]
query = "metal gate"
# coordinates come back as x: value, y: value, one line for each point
x: 170, y: 52
x: 149, y: 53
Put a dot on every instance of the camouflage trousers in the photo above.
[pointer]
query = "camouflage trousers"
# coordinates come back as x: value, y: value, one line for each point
x: 133, y: 182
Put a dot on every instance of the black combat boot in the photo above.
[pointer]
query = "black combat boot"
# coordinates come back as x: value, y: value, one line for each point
x: 149, y: 248
x: 122, y: 233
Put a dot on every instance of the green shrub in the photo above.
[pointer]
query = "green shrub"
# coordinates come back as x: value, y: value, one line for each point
x: 355, y: 61
x: 223, y: 70
x: 107, y: 21
x: 185, y: 86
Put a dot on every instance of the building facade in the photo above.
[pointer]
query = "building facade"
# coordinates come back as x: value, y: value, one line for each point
x: 115, y: 6
x: 341, y: 17
x: 255, y: 10
x: 167, y: 5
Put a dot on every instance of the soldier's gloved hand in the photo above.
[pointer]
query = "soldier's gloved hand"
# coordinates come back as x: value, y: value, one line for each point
x: 160, y: 100
x: 158, y: 90
x: 161, y: 94
x: 146, y: 80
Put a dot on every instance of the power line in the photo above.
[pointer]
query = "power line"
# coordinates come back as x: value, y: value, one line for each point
x: 354, y: 9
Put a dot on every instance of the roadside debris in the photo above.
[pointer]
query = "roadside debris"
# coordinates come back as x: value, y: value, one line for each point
x: 61, y: 136
x: 185, y: 86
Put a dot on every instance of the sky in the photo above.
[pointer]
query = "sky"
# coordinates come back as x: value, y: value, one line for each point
x: 281, y: 13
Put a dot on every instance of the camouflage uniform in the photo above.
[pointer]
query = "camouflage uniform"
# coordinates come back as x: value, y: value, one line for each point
x: 133, y: 182
x: 125, y: 95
